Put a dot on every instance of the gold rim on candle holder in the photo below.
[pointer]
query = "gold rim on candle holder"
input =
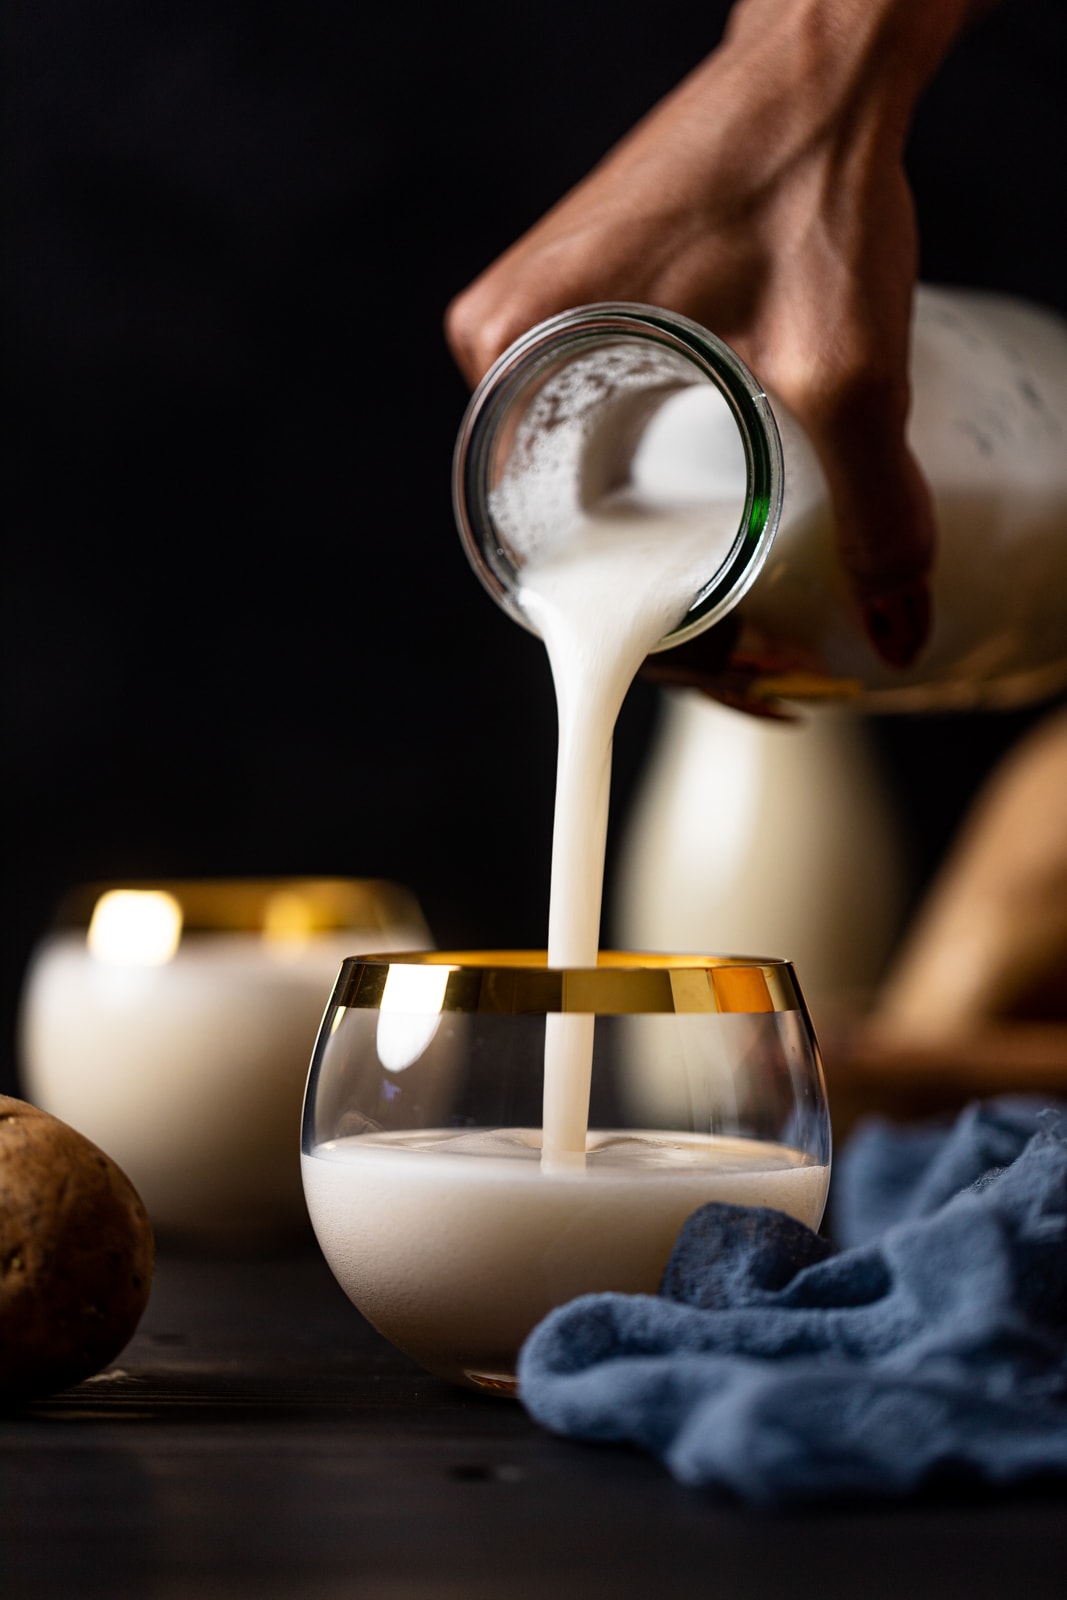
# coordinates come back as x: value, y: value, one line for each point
x: 264, y: 905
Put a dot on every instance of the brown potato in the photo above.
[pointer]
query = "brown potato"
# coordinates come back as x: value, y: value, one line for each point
x: 76, y: 1255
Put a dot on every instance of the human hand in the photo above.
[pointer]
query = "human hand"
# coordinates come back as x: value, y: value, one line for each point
x: 766, y: 198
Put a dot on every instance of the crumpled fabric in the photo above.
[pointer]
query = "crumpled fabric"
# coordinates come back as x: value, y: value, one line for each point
x: 777, y: 1368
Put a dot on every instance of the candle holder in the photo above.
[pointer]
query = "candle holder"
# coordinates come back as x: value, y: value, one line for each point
x: 451, y: 1208
x: 172, y: 1024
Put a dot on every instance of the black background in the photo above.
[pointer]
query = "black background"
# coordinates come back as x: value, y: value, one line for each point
x: 240, y: 633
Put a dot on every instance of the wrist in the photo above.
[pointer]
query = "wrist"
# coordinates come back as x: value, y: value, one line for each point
x: 865, y: 61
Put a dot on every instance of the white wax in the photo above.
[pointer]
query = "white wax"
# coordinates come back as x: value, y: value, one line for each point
x: 189, y: 1074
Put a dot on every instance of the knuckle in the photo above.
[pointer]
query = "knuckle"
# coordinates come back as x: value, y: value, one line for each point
x: 478, y: 330
x: 462, y: 327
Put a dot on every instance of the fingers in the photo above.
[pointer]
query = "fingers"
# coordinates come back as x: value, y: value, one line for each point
x: 884, y: 521
x: 479, y: 327
x: 593, y: 246
x: 556, y: 265
x: 839, y: 356
x: 802, y: 257
x: 531, y: 282
x: 625, y: 232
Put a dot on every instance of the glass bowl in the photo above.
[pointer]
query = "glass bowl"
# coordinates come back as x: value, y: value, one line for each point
x: 449, y: 1220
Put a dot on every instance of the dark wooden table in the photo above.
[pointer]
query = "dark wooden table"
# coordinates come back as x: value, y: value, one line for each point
x: 257, y: 1438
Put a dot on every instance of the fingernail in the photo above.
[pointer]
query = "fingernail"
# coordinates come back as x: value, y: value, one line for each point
x: 898, y: 624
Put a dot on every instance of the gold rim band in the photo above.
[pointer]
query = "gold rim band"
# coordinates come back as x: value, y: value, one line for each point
x: 520, y: 982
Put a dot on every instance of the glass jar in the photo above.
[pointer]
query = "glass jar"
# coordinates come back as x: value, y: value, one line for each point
x: 627, y: 404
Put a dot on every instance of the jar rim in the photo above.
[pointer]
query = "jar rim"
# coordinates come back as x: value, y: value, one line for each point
x: 581, y: 327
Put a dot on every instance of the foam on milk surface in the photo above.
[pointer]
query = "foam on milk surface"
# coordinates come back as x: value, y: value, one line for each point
x: 632, y: 1151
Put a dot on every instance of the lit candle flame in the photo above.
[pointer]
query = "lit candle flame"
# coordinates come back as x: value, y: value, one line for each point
x: 135, y: 927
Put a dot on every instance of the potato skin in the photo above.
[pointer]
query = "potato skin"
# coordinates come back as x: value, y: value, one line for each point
x: 76, y: 1255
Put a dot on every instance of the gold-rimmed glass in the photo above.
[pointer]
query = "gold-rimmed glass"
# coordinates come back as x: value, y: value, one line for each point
x: 422, y: 1136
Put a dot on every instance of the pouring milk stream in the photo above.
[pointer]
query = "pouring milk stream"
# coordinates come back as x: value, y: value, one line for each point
x: 600, y: 601
x: 619, y: 482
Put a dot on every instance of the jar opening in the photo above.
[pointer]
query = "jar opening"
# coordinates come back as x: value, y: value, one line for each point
x: 631, y: 422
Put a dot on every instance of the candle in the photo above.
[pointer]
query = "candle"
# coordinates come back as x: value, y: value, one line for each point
x: 173, y: 1025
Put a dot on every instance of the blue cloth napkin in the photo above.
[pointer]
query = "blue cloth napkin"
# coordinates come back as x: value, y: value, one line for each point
x: 774, y: 1367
